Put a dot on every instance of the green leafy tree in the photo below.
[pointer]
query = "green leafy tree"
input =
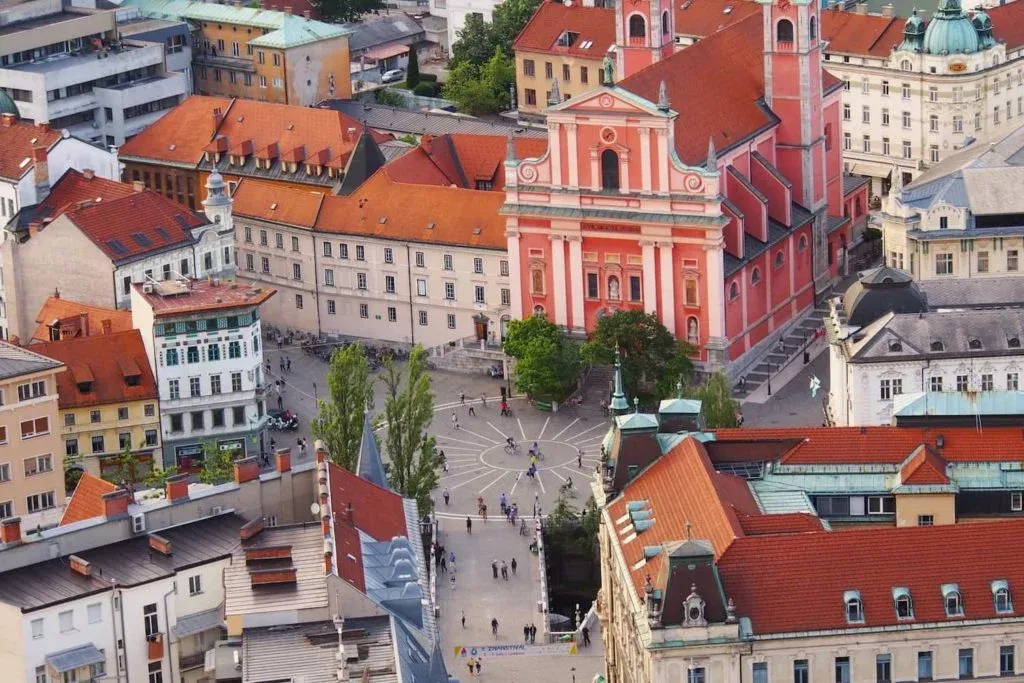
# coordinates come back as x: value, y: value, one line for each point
x: 345, y: 10
x: 508, y: 20
x: 129, y: 470
x: 651, y: 356
x: 412, y: 70
x: 408, y: 410
x: 157, y: 479
x: 546, y: 362
x: 473, y: 44
x: 71, y: 478
x: 482, y: 89
x: 717, y: 404
x: 389, y: 98
x: 339, y: 423
x: 218, y: 464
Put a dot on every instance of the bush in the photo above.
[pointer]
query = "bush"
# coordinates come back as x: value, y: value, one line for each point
x: 428, y: 77
x: 425, y: 90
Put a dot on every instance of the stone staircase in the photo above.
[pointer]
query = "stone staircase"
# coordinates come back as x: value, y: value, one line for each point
x: 599, y: 383
x: 781, y: 352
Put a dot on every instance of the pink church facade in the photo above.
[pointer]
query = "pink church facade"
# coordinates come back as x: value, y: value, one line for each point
x: 632, y: 207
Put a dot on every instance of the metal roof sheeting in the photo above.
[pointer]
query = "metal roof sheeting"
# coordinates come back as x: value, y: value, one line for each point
x: 958, y: 403
x: 75, y: 658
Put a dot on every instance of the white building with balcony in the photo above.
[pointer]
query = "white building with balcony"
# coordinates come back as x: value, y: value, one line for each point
x: 203, y: 339
x: 70, y: 67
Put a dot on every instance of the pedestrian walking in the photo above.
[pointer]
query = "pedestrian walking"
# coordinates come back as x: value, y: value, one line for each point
x: 533, y: 633
x: 280, y: 402
x: 273, y: 445
x: 514, y: 565
x: 478, y: 664
x: 503, y: 502
x: 504, y: 570
x: 494, y: 625
x: 444, y: 565
x: 483, y: 400
x: 522, y: 527
x: 453, y: 580
x: 469, y: 525
x: 470, y: 665
x: 268, y: 366
x: 281, y: 363
x: 471, y: 412
x: 586, y: 637
x: 494, y: 567
x: 579, y: 457
x: 526, y: 633
x: 447, y: 495
x: 462, y: 398
x: 288, y: 365
x: 455, y: 420
x: 463, y: 618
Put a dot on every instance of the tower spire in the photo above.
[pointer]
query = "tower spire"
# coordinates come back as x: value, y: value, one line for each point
x: 712, y: 155
x: 510, y: 152
x: 663, y: 103
x: 619, y: 403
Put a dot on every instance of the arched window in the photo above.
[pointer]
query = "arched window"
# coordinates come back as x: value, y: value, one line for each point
x: 904, y: 605
x: 1001, y: 595
x: 936, y: 346
x: 692, y: 330
x: 784, y: 31
x: 637, y: 27
x: 906, y: 65
x: 664, y: 23
x: 614, y: 291
x: 812, y: 28
x: 609, y: 170
x: 755, y: 276
x: 1013, y: 342
x: 780, y: 259
x: 854, y: 608
x: 858, y: 208
x: 734, y: 291
x: 802, y: 244
x: 951, y: 599
x: 974, y: 344
x: 537, y: 281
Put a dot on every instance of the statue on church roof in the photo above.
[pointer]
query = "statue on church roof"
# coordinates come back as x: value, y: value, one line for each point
x: 608, y: 66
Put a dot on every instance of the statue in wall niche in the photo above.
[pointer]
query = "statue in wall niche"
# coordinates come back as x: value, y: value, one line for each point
x: 608, y: 66
x: 691, y: 330
x: 613, y: 287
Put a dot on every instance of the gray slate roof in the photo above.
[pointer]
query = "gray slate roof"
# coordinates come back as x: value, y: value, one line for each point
x: 381, y: 31
x: 958, y: 403
x: 955, y: 329
x: 75, y: 658
x: 370, y: 466
x: 1002, y: 292
x: 16, y: 361
x: 407, y: 121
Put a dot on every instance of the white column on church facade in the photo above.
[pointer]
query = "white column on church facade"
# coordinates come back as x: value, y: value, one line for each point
x: 716, y: 290
x: 515, y: 281
x: 576, y: 280
x: 573, y: 160
x: 558, y: 273
x: 649, y: 278
x: 624, y: 172
x: 645, y: 159
x: 668, y: 292
x: 595, y: 171
x: 554, y: 144
x: 662, y: 136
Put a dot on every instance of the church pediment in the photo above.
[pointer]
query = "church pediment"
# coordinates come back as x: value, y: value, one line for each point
x: 612, y: 100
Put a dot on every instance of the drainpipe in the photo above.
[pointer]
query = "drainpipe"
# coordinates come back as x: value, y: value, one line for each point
x: 316, y: 288
x: 124, y: 636
x: 167, y: 623
x: 408, y: 268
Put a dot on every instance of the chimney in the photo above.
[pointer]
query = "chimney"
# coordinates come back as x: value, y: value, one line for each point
x: 105, y: 324
x: 283, y: 458
x: 349, y: 516
x: 44, y: 126
x: 252, y: 529
x: 246, y: 469
x: 139, y: 186
x: 328, y: 556
x: 115, y: 503
x: 40, y: 172
x: 83, y: 321
x: 160, y: 544
x: 218, y: 116
x: 887, y: 11
x: 321, y: 450
x: 79, y: 566
x: 287, y: 10
x: 176, y: 487
x: 7, y: 120
x: 10, y: 530
x: 88, y: 173
x: 861, y: 8
x: 306, y: 13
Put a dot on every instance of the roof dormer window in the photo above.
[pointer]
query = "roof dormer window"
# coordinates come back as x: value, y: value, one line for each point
x: 974, y: 344
x: 952, y: 600
x: 567, y: 39
x: 904, y: 603
x: 854, y: 607
x: 895, y: 347
x: 1013, y: 342
x: 1001, y: 597
x: 937, y: 346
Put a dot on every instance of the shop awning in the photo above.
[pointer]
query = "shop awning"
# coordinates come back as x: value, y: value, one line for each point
x: 871, y: 168
x: 75, y: 658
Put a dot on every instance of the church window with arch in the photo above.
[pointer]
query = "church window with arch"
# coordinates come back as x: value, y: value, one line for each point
x: 637, y: 28
x: 784, y: 33
x: 609, y: 170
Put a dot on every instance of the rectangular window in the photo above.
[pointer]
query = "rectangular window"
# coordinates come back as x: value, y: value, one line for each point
x: 801, y: 671
x: 1011, y: 260
x: 420, y: 261
x: 295, y: 243
x: 37, y: 629
x: 961, y: 382
x: 250, y: 262
x: 150, y: 620
x: 506, y: 296
x: 933, y: 94
x: 265, y: 264
x: 66, y: 621
x: 449, y: 291
x: 958, y: 124
x: 296, y: 271
x: 298, y: 302
x: 448, y: 264
x: 925, y: 520
x: 933, y: 123
x: 847, y: 141
x: 360, y: 253
x: 883, y: 668
x: 177, y: 423
x: 885, y: 146
x: 150, y: 437
x: 423, y: 318
x: 215, y: 384
x: 865, y: 114
x: 881, y: 505
x: 634, y: 288
x: 40, y: 501
x: 360, y: 280
x: 36, y: 427
x: 584, y: 75
x: 31, y: 390
x: 173, y: 389
x: 531, y: 96
x: 478, y: 265
x: 502, y: 268
x: 924, y: 666
x: 329, y: 277
x: 194, y: 387
x: 197, y: 420
x: 592, y: 286
x: 389, y: 284
x: 195, y: 585
x: 389, y: 255
x: 392, y: 314
x: 987, y: 382
x: 943, y: 264
x: 478, y: 294
x: 934, y: 384
x: 327, y: 249
x: 933, y: 153
x: 995, y: 115
x: 866, y: 144
x: 343, y: 253
x: 263, y: 238
x: 905, y: 118
x: 760, y: 672
x: 364, y: 311
x: 70, y: 449
x: 846, y: 112
x: 1007, y: 660
x: 451, y: 321
x: 885, y: 88
x: 885, y: 390
x: 549, y: 71
x: 238, y: 415
x: 885, y: 116
x: 1012, y: 383
x: 236, y: 381
x: 966, y: 659
x: 842, y: 669
x: 529, y: 68
x: 905, y: 91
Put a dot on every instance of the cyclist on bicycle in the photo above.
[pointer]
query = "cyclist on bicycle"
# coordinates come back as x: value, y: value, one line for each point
x: 510, y: 445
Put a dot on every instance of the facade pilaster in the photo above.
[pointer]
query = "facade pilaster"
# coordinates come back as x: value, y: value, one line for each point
x: 715, y: 270
x: 555, y: 146
x: 515, y: 281
x: 576, y: 280
x: 645, y: 159
x: 650, y: 293
x: 558, y: 275
x: 668, y: 290
x: 662, y: 138
x: 573, y: 161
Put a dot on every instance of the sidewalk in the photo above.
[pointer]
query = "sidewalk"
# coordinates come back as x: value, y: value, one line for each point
x: 512, y: 602
x: 790, y: 371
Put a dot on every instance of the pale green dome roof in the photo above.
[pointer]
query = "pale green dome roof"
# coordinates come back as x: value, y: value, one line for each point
x: 7, y: 105
x: 983, y: 25
x: 951, y: 32
x: 913, y: 34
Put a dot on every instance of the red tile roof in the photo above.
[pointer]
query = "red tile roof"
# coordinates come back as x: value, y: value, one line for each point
x: 376, y: 511
x: 74, y: 188
x: 70, y: 313
x: 201, y: 295
x: 273, y: 202
x: 1008, y: 24
x: 925, y: 467
x: 109, y: 362
x: 860, y: 34
x: 135, y: 225
x: 410, y: 212
x: 701, y: 18
x: 87, y: 500
x: 788, y: 523
x: 461, y: 160
x: 794, y: 583
x: 16, y: 142
x: 886, y: 444
x: 729, y: 67
x: 269, y: 129
x: 595, y: 26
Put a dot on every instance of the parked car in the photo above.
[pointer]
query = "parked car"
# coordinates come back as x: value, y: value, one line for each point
x: 393, y: 76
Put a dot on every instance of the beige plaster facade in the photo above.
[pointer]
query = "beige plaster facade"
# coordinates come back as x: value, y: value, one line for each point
x: 923, y: 509
x: 536, y: 70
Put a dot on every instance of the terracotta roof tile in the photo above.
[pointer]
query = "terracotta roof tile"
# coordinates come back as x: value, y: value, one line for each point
x: 860, y: 34
x: 273, y: 202
x: 701, y: 18
x: 73, y: 188
x: 135, y: 225
x: 410, y: 212
x: 202, y: 295
x: 87, y: 500
x: 461, y: 159
x: 70, y: 312
x: 1008, y: 24
x: 726, y: 108
x: 763, y: 574
x: 924, y: 467
x: 179, y: 135
x: 886, y: 444
x: 109, y: 361
x: 595, y: 26
x: 16, y: 143
x: 789, y: 523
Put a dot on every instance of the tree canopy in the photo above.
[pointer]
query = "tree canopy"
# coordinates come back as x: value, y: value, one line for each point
x: 340, y: 421
x: 651, y: 356
x: 547, y: 363
x: 412, y: 70
x: 345, y: 10
x: 717, y: 404
x: 218, y: 464
x: 408, y: 410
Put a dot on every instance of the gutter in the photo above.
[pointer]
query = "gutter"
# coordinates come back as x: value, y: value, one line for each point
x: 408, y: 268
x: 167, y: 622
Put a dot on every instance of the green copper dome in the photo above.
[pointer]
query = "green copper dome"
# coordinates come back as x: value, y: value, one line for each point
x: 913, y: 34
x: 983, y: 25
x: 7, y: 105
x: 951, y: 32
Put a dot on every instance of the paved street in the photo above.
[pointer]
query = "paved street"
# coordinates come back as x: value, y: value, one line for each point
x: 790, y: 403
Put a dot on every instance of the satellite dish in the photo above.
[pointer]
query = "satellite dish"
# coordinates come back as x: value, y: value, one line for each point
x: 314, y: 509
